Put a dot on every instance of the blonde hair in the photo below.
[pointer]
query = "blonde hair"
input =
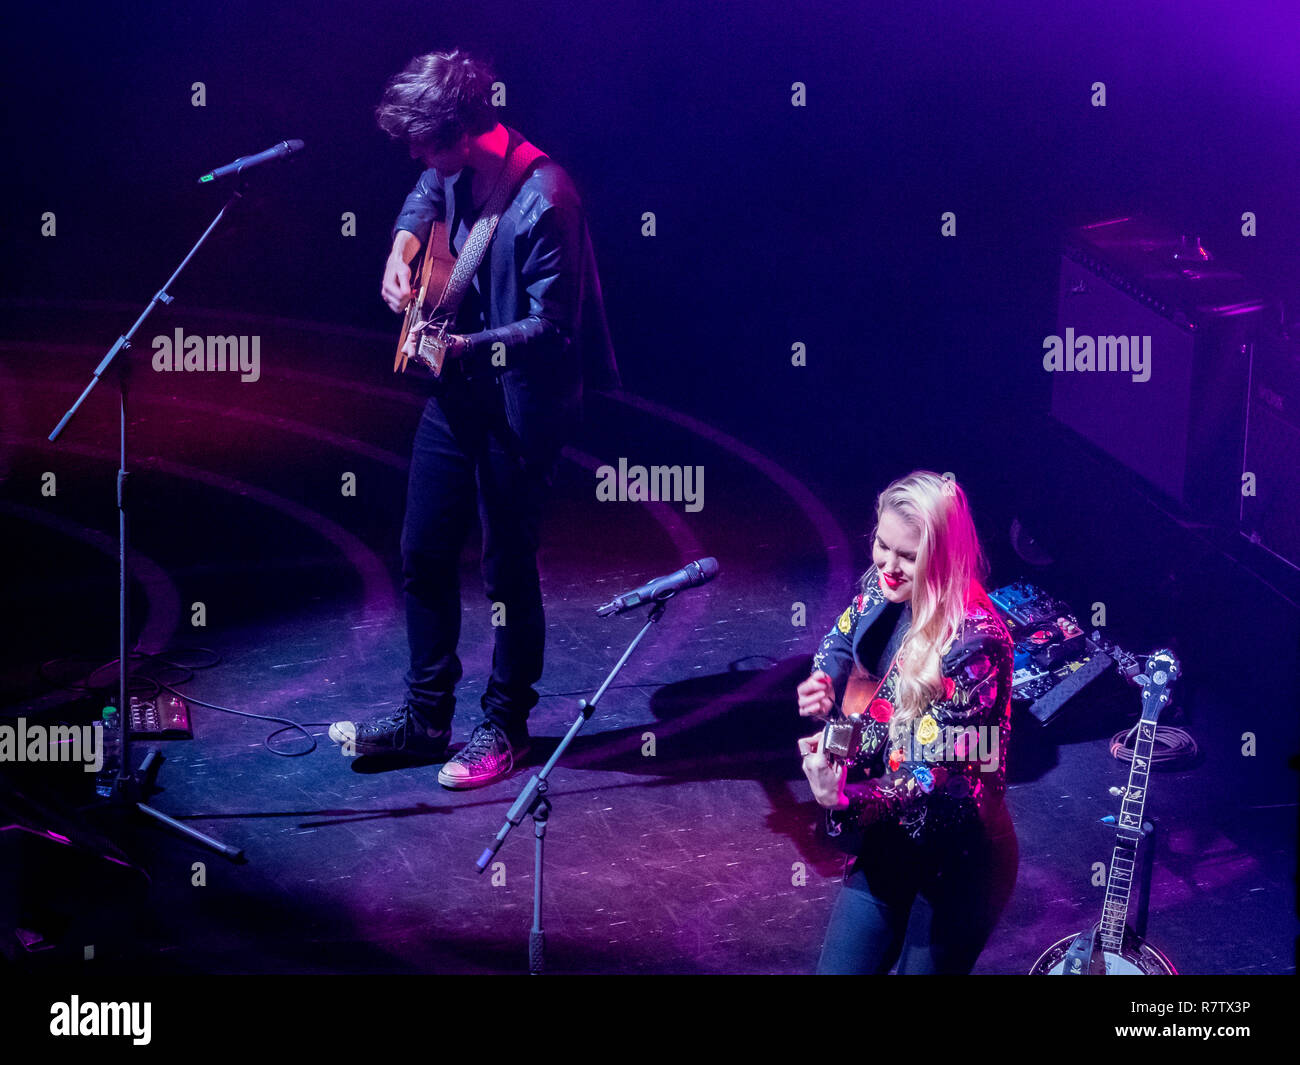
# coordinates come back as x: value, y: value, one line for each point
x: 950, y: 567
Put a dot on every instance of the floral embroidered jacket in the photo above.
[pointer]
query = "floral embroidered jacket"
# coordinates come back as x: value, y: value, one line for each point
x: 951, y: 762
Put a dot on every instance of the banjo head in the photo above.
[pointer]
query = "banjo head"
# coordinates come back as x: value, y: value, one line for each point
x: 1145, y: 960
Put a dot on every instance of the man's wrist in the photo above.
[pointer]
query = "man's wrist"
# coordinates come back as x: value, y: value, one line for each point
x: 405, y: 245
x: 461, y: 345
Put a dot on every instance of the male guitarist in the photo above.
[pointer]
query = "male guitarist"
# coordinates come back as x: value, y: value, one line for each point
x: 528, y: 331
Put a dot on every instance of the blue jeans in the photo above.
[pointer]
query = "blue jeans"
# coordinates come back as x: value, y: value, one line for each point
x: 966, y: 880
x: 466, y: 460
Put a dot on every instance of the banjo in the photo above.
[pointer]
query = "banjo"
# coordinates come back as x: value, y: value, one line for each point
x: 1111, y: 947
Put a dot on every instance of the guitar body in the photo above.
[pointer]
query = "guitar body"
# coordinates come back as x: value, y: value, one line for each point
x: 842, y: 738
x: 1134, y: 958
x: 426, y: 305
x: 859, y: 691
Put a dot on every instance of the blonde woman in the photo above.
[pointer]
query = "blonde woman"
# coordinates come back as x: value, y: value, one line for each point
x: 923, y: 797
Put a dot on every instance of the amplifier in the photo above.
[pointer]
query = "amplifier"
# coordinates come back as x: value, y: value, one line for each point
x: 1156, y: 373
x: 1270, y: 517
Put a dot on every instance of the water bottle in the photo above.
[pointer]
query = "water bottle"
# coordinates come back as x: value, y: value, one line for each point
x: 110, y: 740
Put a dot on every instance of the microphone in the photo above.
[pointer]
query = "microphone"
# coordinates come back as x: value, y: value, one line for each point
x: 244, y: 162
x: 689, y: 576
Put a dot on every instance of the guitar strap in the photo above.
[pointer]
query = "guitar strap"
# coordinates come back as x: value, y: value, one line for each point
x: 517, y: 165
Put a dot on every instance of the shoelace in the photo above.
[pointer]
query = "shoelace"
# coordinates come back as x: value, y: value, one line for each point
x: 401, y: 718
x: 481, y: 743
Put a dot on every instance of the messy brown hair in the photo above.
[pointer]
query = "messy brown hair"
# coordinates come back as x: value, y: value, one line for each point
x: 437, y: 98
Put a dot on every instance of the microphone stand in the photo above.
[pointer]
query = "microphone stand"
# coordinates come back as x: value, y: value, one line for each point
x: 130, y: 788
x: 533, y: 800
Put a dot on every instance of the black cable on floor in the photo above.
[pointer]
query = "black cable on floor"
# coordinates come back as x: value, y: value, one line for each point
x: 146, y: 686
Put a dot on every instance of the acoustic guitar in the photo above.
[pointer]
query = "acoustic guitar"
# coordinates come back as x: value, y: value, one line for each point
x: 426, y: 313
x: 842, y: 734
x: 842, y: 740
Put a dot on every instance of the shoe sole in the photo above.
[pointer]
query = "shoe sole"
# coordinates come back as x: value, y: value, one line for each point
x: 467, y: 783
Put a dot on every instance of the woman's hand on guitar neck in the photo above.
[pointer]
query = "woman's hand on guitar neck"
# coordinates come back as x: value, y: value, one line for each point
x: 816, y: 696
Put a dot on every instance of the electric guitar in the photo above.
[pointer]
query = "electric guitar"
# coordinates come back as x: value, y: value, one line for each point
x: 1112, y: 948
x: 426, y: 312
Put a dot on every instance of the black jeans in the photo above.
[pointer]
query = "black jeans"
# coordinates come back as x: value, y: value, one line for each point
x: 966, y: 880
x: 466, y: 458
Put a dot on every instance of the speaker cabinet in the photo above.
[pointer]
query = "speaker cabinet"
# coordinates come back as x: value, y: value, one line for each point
x: 1271, y: 515
x: 1127, y: 286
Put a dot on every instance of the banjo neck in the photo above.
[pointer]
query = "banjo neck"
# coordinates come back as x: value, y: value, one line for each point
x: 1162, y: 669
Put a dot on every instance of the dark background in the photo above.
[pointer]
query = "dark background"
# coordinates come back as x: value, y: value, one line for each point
x: 775, y: 223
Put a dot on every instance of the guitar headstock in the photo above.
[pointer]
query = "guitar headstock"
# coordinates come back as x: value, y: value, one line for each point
x: 1157, y: 681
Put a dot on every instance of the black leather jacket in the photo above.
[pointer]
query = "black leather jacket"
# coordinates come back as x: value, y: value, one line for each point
x: 540, y: 293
